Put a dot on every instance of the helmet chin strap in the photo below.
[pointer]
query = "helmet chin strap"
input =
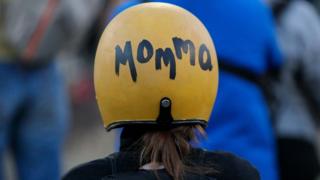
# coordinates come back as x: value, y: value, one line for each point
x: 165, y: 118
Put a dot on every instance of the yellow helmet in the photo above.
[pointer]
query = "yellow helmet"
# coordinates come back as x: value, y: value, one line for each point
x: 155, y: 64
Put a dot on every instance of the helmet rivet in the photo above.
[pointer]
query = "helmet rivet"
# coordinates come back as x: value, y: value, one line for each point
x: 165, y: 103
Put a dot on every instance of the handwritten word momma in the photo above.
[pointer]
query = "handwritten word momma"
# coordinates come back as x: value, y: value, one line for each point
x: 166, y: 56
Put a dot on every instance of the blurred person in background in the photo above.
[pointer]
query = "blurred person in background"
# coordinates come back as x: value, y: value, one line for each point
x: 246, y: 45
x: 34, y: 110
x: 161, y: 111
x: 296, y: 102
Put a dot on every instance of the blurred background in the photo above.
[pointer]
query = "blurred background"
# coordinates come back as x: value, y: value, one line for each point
x: 49, y: 119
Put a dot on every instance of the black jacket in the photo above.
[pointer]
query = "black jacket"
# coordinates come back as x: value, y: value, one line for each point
x: 125, y: 165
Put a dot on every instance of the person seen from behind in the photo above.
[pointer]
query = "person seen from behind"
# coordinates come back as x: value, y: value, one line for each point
x: 247, y: 49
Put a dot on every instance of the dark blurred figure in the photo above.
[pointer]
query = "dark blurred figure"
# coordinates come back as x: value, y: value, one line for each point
x: 244, y: 37
x: 316, y: 3
x: 34, y: 108
x: 296, y: 90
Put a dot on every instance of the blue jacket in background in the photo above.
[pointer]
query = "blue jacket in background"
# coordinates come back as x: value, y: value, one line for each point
x: 243, y: 33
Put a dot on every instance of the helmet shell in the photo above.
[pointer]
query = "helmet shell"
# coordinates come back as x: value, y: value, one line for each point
x: 153, y: 51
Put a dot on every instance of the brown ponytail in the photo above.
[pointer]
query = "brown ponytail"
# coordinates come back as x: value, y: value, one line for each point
x: 169, y: 148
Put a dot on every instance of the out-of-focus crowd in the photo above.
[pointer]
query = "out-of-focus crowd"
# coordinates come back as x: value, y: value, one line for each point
x: 268, y: 105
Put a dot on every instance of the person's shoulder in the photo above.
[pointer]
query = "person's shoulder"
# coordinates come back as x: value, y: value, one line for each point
x: 235, y: 167
x: 92, y: 170
x: 230, y: 166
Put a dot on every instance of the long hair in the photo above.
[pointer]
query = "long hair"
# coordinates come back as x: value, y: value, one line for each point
x: 169, y: 148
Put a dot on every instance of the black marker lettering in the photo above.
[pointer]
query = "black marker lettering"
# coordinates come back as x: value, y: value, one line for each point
x: 168, y: 59
x: 122, y: 57
x: 166, y: 56
x: 145, y: 44
x: 186, y: 46
x: 208, y: 64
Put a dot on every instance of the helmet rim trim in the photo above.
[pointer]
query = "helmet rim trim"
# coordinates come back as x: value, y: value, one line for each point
x: 173, y: 124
